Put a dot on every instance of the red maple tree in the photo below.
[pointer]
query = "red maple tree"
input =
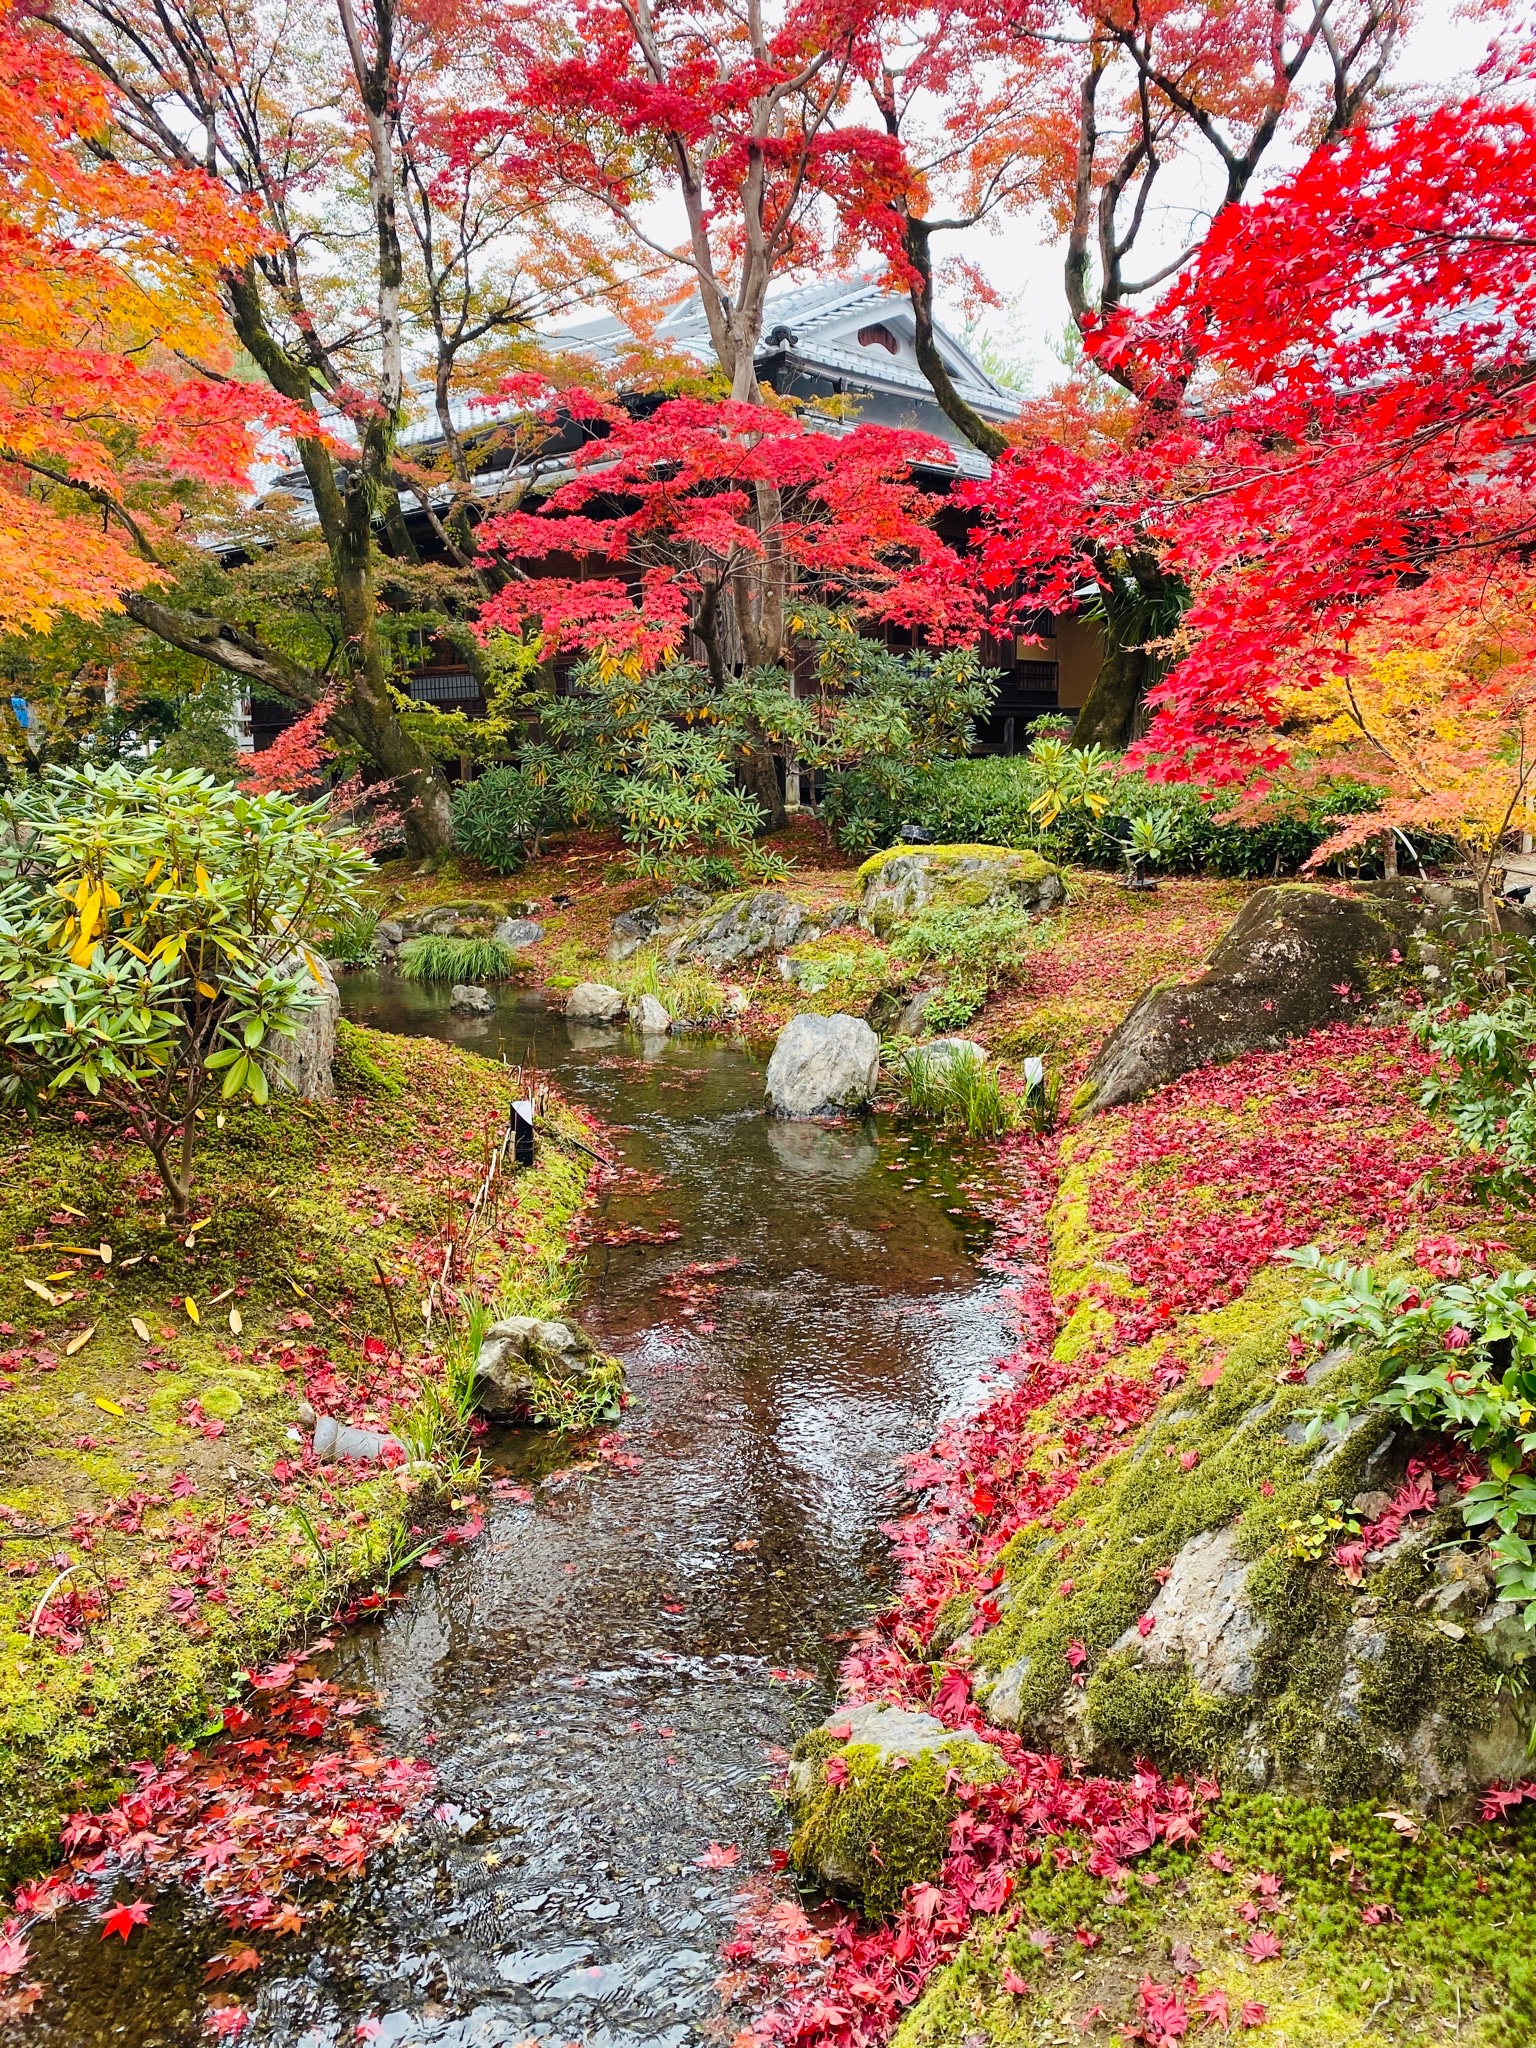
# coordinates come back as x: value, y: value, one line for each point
x: 1336, y: 403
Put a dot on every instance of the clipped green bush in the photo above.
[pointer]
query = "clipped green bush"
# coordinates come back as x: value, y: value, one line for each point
x: 435, y: 957
x: 989, y: 799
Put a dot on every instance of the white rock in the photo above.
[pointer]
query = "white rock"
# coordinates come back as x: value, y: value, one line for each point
x: 594, y: 1002
x: 948, y: 1052
x: 649, y: 1016
x: 822, y: 1066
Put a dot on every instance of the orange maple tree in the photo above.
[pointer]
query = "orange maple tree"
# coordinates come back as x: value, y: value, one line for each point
x: 108, y: 296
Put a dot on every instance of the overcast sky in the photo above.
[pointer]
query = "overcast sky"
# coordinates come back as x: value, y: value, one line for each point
x: 1027, y: 271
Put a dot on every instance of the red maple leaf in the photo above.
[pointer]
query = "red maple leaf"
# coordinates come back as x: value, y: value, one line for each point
x: 123, y: 1919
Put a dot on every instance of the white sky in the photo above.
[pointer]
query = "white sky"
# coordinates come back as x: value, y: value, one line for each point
x: 1026, y: 269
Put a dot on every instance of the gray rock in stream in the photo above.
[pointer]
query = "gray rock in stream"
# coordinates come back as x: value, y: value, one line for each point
x: 594, y: 1002
x: 823, y: 1066
x: 516, y: 1352
x: 469, y: 999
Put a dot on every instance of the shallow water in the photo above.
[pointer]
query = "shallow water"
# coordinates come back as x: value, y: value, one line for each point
x: 595, y: 1680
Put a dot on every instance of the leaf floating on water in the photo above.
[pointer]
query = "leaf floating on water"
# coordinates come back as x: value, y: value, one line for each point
x: 718, y: 1856
x: 123, y: 1919
x: 79, y: 1343
x: 140, y: 1329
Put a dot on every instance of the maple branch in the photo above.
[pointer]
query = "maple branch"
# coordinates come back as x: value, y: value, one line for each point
x: 226, y: 646
x: 108, y: 504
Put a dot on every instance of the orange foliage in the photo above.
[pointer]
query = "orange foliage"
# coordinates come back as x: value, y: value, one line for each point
x: 1438, y: 708
x: 108, y: 287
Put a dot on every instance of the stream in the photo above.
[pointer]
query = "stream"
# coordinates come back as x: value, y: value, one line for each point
x: 606, y: 1681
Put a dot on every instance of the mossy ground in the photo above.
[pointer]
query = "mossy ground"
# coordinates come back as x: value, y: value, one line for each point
x: 1224, y: 1447
x: 1449, y: 1958
x: 188, y: 1531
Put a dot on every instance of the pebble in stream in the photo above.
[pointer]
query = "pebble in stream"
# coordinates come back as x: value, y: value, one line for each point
x: 606, y: 1681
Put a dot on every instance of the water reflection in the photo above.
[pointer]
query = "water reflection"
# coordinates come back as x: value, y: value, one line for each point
x: 604, y: 1682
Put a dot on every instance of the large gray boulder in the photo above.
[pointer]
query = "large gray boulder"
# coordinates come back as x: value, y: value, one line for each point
x: 647, y: 923
x: 823, y: 1066
x: 764, y: 922
x: 899, y: 883
x: 594, y: 1002
x: 301, y: 1064
x: 1296, y: 957
x: 516, y: 1351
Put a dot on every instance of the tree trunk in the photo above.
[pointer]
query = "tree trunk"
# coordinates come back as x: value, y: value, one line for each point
x: 759, y: 779
x: 1108, y: 718
x: 979, y: 432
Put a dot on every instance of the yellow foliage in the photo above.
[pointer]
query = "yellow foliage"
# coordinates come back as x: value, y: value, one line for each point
x: 1439, y: 708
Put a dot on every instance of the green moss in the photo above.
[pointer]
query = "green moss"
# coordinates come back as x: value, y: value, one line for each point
x: 1456, y: 1965
x: 356, y: 1067
x: 303, y: 1205
x: 887, y: 1824
x: 1030, y: 866
x: 842, y: 972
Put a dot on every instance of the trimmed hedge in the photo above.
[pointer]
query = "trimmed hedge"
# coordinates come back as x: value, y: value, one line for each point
x: 988, y: 799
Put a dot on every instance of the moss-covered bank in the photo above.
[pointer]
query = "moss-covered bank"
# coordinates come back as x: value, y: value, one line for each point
x: 164, y: 1522
x: 1384, y: 1938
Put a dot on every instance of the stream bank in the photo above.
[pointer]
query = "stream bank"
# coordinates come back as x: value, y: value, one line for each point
x: 151, y: 1382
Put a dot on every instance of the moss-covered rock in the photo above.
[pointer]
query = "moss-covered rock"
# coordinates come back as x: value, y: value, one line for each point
x: 535, y: 1369
x: 906, y: 879
x: 873, y: 1793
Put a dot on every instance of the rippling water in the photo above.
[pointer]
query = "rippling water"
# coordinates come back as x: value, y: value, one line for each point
x: 594, y: 1681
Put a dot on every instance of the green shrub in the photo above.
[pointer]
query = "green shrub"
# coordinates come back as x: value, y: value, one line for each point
x: 153, y: 943
x: 497, y: 816
x: 973, y: 945
x: 990, y: 799
x: 435, y: 957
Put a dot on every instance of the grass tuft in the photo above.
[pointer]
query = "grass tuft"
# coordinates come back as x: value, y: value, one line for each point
x: 436, y: 958
x: 958, y: 1089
